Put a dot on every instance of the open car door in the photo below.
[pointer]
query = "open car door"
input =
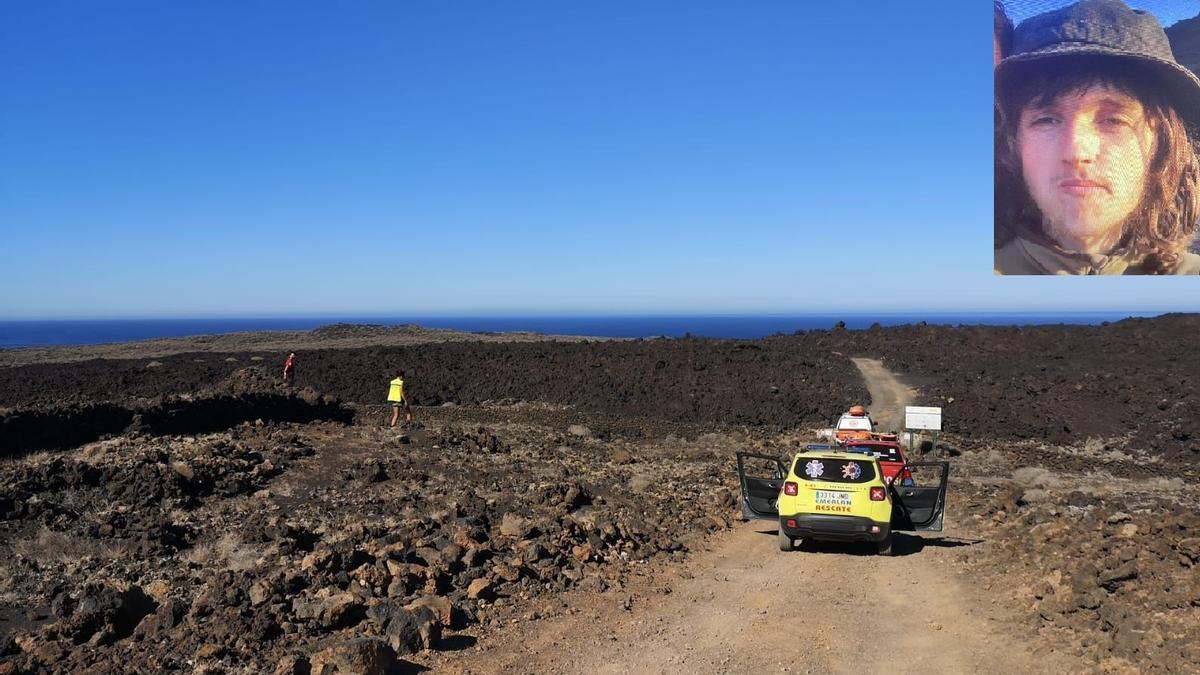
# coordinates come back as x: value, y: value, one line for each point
x: 761, y: 478
x: 922, y: 505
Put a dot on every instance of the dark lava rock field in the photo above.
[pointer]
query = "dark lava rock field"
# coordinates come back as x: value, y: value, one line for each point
x: 188, y: 514
x: 287, y: 546
x: 1135, y: 378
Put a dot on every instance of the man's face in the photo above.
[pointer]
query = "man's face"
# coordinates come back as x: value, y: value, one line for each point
x: 1084, y: 158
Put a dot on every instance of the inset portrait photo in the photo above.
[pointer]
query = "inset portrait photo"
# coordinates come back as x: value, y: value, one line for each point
x: 1097, y: 114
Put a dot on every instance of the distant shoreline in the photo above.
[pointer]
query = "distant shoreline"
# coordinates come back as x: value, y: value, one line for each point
x: 97, y: 332
x: 276, y: 343
x: 334, y: 336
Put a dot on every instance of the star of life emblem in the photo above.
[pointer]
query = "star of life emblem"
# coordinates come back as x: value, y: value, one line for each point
x: 851, y: 471
x: 814, y: 468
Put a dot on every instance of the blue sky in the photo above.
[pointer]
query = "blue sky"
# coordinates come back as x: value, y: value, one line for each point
x: 263, y: 158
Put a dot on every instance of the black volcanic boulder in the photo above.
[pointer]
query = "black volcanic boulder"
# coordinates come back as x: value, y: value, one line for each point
x: 406, y: 631
x: 362, y: 656
x: 103, y: 614
x: 330, y: 609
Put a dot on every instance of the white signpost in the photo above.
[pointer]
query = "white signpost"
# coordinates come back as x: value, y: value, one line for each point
x: 917, y: 417
x: 925, y: 418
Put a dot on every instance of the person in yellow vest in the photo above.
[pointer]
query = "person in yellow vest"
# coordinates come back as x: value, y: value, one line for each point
x: 397, y: 398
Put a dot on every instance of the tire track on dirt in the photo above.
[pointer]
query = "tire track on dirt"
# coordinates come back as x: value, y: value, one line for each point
x: 889, y: 395
x: 744, y: 606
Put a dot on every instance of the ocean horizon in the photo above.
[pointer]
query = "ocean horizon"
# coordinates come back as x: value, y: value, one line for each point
x: 45, y: 333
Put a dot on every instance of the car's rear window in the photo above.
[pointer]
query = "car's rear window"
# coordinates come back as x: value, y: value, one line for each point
x: 835, y: 470
x: 887, y: 454
x: 855, y: 423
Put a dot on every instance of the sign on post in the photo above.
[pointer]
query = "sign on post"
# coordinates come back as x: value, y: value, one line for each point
x: 918, y: 417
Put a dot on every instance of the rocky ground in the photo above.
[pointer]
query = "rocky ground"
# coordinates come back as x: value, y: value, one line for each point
x: 1135, y: 379
x: 242, y: 549
x: 1094, y: 549
x: 217, y: 523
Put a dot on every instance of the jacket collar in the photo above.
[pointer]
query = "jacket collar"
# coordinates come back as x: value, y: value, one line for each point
x: 1053, y: 259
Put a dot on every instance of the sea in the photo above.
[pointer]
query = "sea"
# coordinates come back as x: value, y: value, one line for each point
x: 99, y: 331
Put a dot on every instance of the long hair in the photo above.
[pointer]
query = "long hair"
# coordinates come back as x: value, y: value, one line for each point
x: 1165, y: 221
x: 1002, y: 27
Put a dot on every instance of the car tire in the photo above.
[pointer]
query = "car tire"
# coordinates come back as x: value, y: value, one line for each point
x: 885, y: 546
x: 785, y: 542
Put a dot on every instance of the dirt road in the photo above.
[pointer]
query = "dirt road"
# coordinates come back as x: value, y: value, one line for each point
x: 744, y: 606
x: 888, y: 394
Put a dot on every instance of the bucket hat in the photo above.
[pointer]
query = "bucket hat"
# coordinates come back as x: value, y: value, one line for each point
x: 1102, y: 28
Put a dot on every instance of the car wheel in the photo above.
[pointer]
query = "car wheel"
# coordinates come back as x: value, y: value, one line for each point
x: 785, y: 542
x: 885, y: 546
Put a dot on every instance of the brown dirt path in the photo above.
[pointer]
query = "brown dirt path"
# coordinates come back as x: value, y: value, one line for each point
x: 889, y: 395
x: 744, y: 606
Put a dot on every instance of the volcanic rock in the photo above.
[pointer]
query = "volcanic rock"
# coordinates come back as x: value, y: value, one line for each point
x: 293, y: 665
x: 261, y: 591
x: 406, y: 631
x: 295, y: 568
x: 515, y: 526
x: 441, y: 607
x: 330, y: 610
x: 357, y: 656
x: 1190, y: 548
x: 168, y: 615
x: 480, y: 589
x: 103, y: 614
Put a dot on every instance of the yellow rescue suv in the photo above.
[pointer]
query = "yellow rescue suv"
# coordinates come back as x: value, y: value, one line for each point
x: 836, y: 494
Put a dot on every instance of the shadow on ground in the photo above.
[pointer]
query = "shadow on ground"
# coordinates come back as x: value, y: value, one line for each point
x: 926, y: 450
x: 456, y: 643
x: 903, y: 544
x: 29, y: 430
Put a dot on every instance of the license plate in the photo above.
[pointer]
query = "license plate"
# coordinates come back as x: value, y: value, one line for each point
x: 833, y: 498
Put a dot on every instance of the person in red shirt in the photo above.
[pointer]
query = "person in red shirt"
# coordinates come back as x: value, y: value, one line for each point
x: 289, y: 370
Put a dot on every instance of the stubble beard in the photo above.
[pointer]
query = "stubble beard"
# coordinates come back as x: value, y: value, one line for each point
x: 1072, y: 233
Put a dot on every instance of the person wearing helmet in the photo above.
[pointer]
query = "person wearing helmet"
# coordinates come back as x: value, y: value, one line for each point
x: 1096, y: 167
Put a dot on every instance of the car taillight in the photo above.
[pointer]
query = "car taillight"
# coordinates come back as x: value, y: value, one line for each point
x: 878, y: 494
x: 790, y: 488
